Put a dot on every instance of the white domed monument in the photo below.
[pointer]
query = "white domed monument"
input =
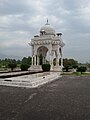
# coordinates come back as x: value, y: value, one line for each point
x: 47, y: 42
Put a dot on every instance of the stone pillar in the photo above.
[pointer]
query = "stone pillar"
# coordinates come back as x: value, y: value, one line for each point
x: 32, y: 60
x: 61, y: 62
x: 32, y: 55
x: 57, y: 58
x: 50, y: 54
x: 50, y: 58
x: 35, y: 60
x: 61, y: 59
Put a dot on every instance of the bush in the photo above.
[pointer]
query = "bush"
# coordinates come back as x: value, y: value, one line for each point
x: 81, y: 69
x: 24, y: 67
x: 46, y: 67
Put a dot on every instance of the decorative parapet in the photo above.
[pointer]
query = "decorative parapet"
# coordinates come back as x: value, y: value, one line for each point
x: 39, y: 42
x: 53, y: 42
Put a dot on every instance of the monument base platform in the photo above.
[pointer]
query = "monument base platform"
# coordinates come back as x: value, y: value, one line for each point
x: 39, y: 67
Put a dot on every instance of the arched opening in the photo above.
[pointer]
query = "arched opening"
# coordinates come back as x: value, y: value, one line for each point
x: 41, y: 54
x: 40, y: 59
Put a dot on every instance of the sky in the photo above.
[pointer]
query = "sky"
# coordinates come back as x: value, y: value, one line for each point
x: 20, y: 20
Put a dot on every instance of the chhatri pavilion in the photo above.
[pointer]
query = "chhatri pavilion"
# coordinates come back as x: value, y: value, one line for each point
x: 47, y: 42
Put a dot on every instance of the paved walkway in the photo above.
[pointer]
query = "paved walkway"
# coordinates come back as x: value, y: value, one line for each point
x: 67, y: 98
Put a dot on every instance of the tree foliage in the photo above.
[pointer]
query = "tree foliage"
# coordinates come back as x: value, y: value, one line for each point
x: 69, y: 63
x: 5, y: 62
x: 81, y: 69
x: 27, y: 60
x: 12, y: 64
x: 25, y: 64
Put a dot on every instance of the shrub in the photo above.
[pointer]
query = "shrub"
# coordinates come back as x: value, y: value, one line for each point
x: 81, y: 69
x: 24, y: 67
x: 46, y: 67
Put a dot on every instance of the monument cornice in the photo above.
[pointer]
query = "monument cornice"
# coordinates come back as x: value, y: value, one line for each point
x: 44, y: 42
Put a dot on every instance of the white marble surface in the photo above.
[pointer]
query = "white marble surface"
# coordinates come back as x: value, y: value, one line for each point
x: 30, y: 81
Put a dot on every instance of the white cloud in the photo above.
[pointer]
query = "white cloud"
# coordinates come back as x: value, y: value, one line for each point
x: 20, y: 20
x: 85, y: 13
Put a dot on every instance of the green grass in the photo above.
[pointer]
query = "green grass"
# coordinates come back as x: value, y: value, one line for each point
x: 77, y: 74
x: 86, y: 74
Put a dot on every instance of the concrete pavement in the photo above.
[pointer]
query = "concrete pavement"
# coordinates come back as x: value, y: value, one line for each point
x: 67, y: 98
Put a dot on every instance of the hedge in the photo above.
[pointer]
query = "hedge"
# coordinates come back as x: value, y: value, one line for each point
x: 46, y: 67
x: 24, y: 67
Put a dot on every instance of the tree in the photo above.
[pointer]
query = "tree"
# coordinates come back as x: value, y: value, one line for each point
x: 18, y: 62
x: 27, y: 60
x: 69, y: 63
x: 12, y: 64
x: 75, y: 66
x: 81, y: 69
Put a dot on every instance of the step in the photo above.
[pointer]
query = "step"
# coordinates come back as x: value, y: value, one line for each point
x: 24, y: 82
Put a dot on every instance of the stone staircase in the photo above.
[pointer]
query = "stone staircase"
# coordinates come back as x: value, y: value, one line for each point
x: 30, y: 81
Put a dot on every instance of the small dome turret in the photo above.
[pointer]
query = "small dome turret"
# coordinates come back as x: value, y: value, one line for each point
x: 47, y: 29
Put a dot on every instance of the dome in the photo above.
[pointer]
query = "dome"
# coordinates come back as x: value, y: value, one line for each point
x: 47, y: 29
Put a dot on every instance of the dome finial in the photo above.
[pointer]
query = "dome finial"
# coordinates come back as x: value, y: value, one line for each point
x: 47, y: 22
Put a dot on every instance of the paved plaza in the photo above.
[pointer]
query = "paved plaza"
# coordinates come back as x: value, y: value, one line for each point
x: 67, y: 98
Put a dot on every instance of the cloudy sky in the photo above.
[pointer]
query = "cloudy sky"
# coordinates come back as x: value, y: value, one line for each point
x: 20, y: 20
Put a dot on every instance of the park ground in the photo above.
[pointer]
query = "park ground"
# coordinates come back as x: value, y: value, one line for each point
x: 67, y: 98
